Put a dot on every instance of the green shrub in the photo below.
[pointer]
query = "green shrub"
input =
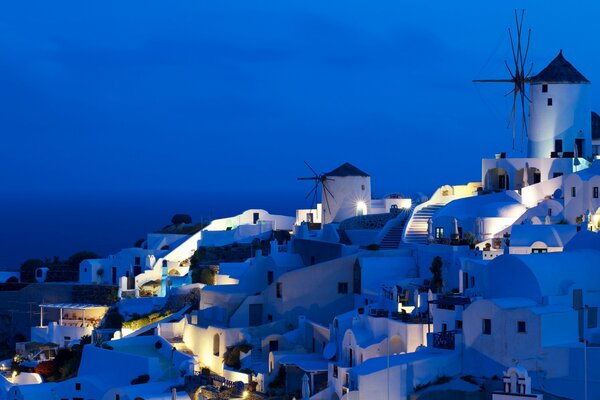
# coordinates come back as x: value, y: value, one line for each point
x: 232, y: 355
x: 113, y: 320
x: 204, y: 275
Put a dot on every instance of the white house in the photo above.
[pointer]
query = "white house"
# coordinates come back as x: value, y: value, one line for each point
x: 581, y: 196
x: 66, y: 322
x: 243, y: 228
x: 528, y: 238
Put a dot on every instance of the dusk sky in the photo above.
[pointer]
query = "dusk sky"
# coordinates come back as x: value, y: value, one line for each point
x: 115, y: 115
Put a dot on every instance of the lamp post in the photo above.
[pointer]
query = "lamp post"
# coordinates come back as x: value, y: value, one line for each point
x: 388, y: 366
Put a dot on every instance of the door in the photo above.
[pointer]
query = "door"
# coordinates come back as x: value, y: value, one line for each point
x: 579, y: 146
x: 255, y: 217
x: 255, y: 314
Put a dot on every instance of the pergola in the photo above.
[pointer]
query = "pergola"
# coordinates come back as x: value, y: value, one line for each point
x: 70, y: 306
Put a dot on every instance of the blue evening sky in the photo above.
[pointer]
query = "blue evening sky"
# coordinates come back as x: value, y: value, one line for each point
x: 116, y: 114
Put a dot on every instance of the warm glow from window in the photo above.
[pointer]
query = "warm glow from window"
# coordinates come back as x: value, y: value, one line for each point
x: 361, y: 208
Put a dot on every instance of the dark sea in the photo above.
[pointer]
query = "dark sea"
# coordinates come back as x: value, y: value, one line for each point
x: 45, y: 227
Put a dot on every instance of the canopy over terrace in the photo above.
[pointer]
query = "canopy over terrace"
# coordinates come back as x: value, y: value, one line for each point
x: 75, y: 313
x: 311, y: 364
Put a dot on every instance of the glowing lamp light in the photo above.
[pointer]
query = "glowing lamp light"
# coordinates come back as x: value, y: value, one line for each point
x: 361, y: 208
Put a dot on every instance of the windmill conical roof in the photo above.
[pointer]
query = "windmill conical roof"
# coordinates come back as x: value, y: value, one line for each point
x: 559, y: 71
x: 346, y: 169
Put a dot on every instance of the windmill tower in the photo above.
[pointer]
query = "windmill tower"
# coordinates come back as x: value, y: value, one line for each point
x: 345, y: 192
x: 559, y: 113
x: 350, y: 189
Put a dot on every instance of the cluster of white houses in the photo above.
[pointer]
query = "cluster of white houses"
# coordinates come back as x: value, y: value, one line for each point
x: 352, y: 307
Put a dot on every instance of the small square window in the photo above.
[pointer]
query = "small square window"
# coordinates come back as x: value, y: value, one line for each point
x: 549, y: 101
x: 458, y: 324
x: 279, y: 290
x: 362, y: 187
x: 545, y: 88
x: 78, y: 386
x: 343, y: 287
x: 521, y: 327
x: 573, y: 191
x: 595, y: 192
x: 487, y: 326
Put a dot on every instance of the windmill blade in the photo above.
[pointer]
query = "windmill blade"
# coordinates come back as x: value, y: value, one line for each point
x: 513, y: 76
x: 492, y: 80
x: 509, y: 92
x: 309, y: 193
x: 327, y: 201
x: 529, y: 72
x: 328, y: 191
x: 523, y: 120
x: 527, y: 48
x: 512, y: 46
x: 311, y: 168
x: 314, y: 204
x: 513, y: 118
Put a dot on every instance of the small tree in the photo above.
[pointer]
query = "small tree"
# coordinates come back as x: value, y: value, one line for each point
x: 181, y: 219
x: 113, y: 320
x: 436, y: 272
x: 28, y: 269
x: 78, y: 257
x: 203, y: 275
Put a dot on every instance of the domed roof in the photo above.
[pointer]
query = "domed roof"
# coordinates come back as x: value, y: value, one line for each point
x: 559, y: 71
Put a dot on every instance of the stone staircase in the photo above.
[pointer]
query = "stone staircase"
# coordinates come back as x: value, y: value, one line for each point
x: 256, y: 356
x: 418, y: 224
x: 393, y: 237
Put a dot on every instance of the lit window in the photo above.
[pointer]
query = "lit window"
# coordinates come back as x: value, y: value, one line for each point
x: 439, y: 232
x: 361, y: 208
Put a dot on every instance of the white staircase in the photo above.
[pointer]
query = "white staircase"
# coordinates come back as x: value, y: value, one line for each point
x: 418, y: 224
x: 393, y: 237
